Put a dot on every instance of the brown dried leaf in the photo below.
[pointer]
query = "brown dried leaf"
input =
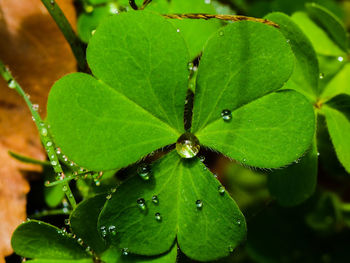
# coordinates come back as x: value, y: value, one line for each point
x: 37, y: 54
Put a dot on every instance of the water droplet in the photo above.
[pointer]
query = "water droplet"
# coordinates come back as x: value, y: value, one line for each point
x: 71, y: 164
x: 80, y: 241
x: 60, y: 176
x: 288, y: 40
x: 64, y: 188
x: 238, y: 222
x: 202, y: 158
x: 113, y: 190
x: 190, y: 66
x: 158, y: 216
x: 103, y: 231
x: 221, y: 189
x: 44, y: 132
x: 113, y: 230
x: 340, y: 59
x: 199, y: 204
x: 125, y: 251
x: 48, y: 144
x: 89, y: 9
x: 144, y: 171
x: 52, y: 2
x: 187, y: 145
x: 35, y: 107
x: 53, y: 163
x: 226, y: 115
x: 58, y: 151
x: 178, y: 30
x: 108, y: 197
x: 318, y: 154
x: 141, y: 203
x: 97, y: 183
x: 155, y: 199
x: 67, y: 222
x: 207, y: 2
x: 93, y: 32
x: 321, y: 75
x: 244, y: 160
x: 230, y: 249
x: 221, y: 33
x: 11, y: 84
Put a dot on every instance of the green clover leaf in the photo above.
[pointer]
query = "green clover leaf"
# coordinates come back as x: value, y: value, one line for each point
x: 134, y: 104
x: 296, y: 183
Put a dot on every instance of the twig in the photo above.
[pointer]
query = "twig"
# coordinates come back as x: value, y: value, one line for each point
x: 42, y: 128
x: 75, y: 44
x: 133, y: 5
x: 221, y: 17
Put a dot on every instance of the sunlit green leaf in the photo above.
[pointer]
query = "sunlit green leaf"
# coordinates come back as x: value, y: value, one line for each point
x: 332, y: 24
x: 270, y: 132
x: 339, y: 130
x: 320, y: 40
x: 192, y: 207
x: 306, y: 73
x: 39, y: 240
x: 241, y: 62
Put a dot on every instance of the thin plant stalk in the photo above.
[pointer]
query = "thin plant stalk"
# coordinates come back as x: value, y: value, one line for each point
x: 62, y: 22
x: 42, y: 128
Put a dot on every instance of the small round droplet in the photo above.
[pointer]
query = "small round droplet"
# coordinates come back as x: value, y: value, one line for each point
x: 158, y: 216
x: 321, y: 75
x: 93, y: 32
x: 144, y: 171
x: 113, y: 230
x: 103, y: 231
x: 141, y: 203
x: 44, y: 132
x: 318, y: 154
x: 125, y: 251
x: 178, y: 30
x: 35, y: 107
x: 155, y: 199
x: 202, y: 158
x: 89, y: 9
x: 48, y: 144
x: 187, y: 146
x: 11, y: 84
x: 207, y: 2
x: 221, y: 189
x: 340, y: 59
x: 58, y: 151
x: 190, y: 66
x: 199, y: 204
x: 226, y: 115
x: 238, y: 222
x: 80, y: 241
x: 53, y: 163
x: 230, y: 249
x: 108, y: 197
x: 221, y: 33
x: 64, y: 188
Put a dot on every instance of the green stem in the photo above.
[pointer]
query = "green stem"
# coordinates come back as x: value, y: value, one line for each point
x: 76, y: 45
x: 42, y: 128
x: 50, y: 213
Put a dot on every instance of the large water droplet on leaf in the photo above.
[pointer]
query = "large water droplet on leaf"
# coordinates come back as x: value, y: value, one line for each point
x: 187, y: 145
